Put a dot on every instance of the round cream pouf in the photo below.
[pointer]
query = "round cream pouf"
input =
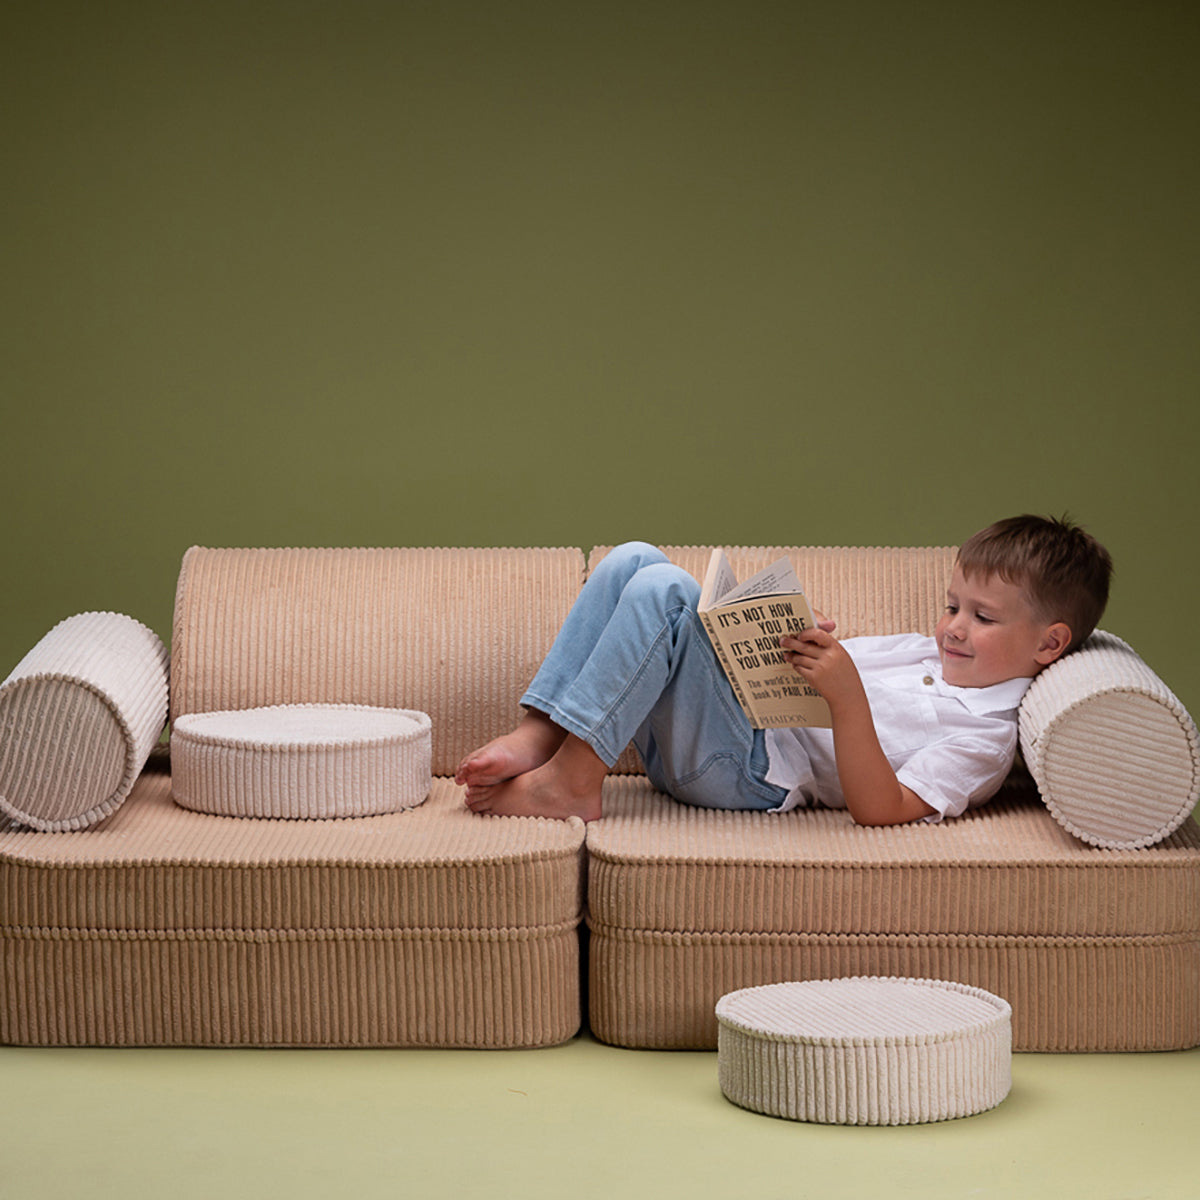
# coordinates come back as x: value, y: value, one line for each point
x: 301, y: 761
x: 865, y: 1051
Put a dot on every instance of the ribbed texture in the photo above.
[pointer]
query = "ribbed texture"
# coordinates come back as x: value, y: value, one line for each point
x: 1095, y: 949
x: 1005, y: 868
x: 301, y: 761
x: 457, y: 634
x: 411, y: 988
x: 865, y: 1051
x: 154, y: 865
x: 867, y: 590
x: 1114, y: 753
x: 80, y: 714
x: 162, y: 926
x: 650, y: 990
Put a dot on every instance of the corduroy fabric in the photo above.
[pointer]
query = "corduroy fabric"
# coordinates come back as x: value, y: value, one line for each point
x: 1095, y: 949
x: 79, y: 716
x: 301, y: 761
x: 455, y: 633
x: 161, y: 926
x: 865, y: 1051
x: 1114, y: 753
x: 867, y: 589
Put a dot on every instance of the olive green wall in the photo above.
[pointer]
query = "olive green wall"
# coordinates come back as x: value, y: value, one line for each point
x: 512, y: 273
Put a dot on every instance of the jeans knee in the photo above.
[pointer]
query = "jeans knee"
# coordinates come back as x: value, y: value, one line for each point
x: 635, y: 554
x: 665, y: 585
x: 623, y: 562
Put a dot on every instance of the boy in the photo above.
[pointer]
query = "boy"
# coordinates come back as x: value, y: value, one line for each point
x: 923, y: 728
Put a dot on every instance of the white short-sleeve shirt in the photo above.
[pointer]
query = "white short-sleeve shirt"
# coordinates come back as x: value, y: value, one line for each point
x: 952, y: 746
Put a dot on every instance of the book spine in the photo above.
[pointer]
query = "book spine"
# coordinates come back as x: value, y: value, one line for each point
x: 727, y: 666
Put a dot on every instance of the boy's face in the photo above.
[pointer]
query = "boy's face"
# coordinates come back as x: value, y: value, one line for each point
x: 989, y: 633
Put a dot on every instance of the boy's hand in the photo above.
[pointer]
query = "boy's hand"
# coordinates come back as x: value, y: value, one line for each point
x: 873, y: 793
x: 821, y: 660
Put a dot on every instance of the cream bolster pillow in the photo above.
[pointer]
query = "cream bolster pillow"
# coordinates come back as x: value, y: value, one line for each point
x: 1114, y: 753
x: 79, y: 715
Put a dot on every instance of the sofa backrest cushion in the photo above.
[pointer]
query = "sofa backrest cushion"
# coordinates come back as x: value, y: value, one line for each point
x: 866, y: 589
x: 455, y: 633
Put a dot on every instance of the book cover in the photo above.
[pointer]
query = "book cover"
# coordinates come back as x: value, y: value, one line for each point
x: 744, y: 622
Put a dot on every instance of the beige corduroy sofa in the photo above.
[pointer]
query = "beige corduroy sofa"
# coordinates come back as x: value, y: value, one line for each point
x: 151, y: 924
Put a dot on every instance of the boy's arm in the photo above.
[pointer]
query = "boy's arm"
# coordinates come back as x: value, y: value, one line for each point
x: 873, y: 794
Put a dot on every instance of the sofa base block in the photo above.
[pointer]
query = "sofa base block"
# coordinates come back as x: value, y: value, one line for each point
x: 500, y: 990
x: 651, y: 990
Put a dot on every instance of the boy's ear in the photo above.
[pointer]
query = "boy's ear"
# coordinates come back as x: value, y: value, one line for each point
x: 1055, y: 640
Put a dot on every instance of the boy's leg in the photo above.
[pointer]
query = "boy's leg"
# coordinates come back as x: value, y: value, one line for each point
x: 536, y: 739
x: 632, y: 662
x: 696, y: 742
x: 614, y: 654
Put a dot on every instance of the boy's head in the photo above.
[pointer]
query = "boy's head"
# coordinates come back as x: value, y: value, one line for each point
x: 1025, y: 591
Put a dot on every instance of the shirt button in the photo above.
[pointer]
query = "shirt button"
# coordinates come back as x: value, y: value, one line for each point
x: 928, y: 681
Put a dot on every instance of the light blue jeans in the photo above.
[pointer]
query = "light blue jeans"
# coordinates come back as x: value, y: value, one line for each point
x: 632, y: 662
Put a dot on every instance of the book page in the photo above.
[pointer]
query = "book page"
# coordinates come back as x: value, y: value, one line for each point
x: 719, y: 579
x: 777, y: 579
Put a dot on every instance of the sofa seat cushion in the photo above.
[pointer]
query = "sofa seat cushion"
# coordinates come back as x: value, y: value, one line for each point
x: 1095, y: 949
x: 301, y: 760
x: 162, y: 926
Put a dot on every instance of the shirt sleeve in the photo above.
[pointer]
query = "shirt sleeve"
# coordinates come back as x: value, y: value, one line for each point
x: 960, y: 772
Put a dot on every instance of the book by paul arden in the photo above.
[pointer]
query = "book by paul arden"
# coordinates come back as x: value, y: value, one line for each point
x: 744, y: 623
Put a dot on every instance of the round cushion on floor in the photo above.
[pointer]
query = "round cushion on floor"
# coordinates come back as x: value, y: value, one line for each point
x: 865, y: 1051
x: 79, y: 716
x: 301, y: 760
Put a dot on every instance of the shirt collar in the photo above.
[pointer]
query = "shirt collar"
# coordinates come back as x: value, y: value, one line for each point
x: 999, y: 697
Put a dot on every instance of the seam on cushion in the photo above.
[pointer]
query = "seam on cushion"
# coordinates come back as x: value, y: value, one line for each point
x: 505, y: 933
x: 987, y: 941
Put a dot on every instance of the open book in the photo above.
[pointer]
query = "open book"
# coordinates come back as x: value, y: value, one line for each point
x: 744, y: 623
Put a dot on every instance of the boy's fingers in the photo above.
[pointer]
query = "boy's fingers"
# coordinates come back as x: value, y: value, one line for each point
x: 806, y: 638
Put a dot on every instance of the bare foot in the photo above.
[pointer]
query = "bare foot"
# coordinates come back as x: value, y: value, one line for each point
x: 531, y: 744
x: 568, y: 785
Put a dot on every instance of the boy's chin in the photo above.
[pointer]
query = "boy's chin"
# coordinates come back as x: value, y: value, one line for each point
x: 957, y: 671
x: 964, y: 673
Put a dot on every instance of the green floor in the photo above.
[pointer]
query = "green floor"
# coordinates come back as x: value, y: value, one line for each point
x: 578, y: 1121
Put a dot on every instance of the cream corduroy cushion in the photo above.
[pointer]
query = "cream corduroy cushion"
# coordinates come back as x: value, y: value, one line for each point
x: 1114, y: 753
x: 865, y: 1051
x: 301, y: 761
x: 79, y: 716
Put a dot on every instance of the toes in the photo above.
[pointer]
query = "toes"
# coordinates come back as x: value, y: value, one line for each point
x: 478, y: 799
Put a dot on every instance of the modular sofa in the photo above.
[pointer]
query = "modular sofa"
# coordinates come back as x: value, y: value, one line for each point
x: 129, y: 919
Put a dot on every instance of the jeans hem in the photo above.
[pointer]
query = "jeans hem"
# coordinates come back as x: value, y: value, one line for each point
x: 563, y: 721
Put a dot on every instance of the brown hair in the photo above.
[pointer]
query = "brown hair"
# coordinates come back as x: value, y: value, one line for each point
x: 1062, y: 569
